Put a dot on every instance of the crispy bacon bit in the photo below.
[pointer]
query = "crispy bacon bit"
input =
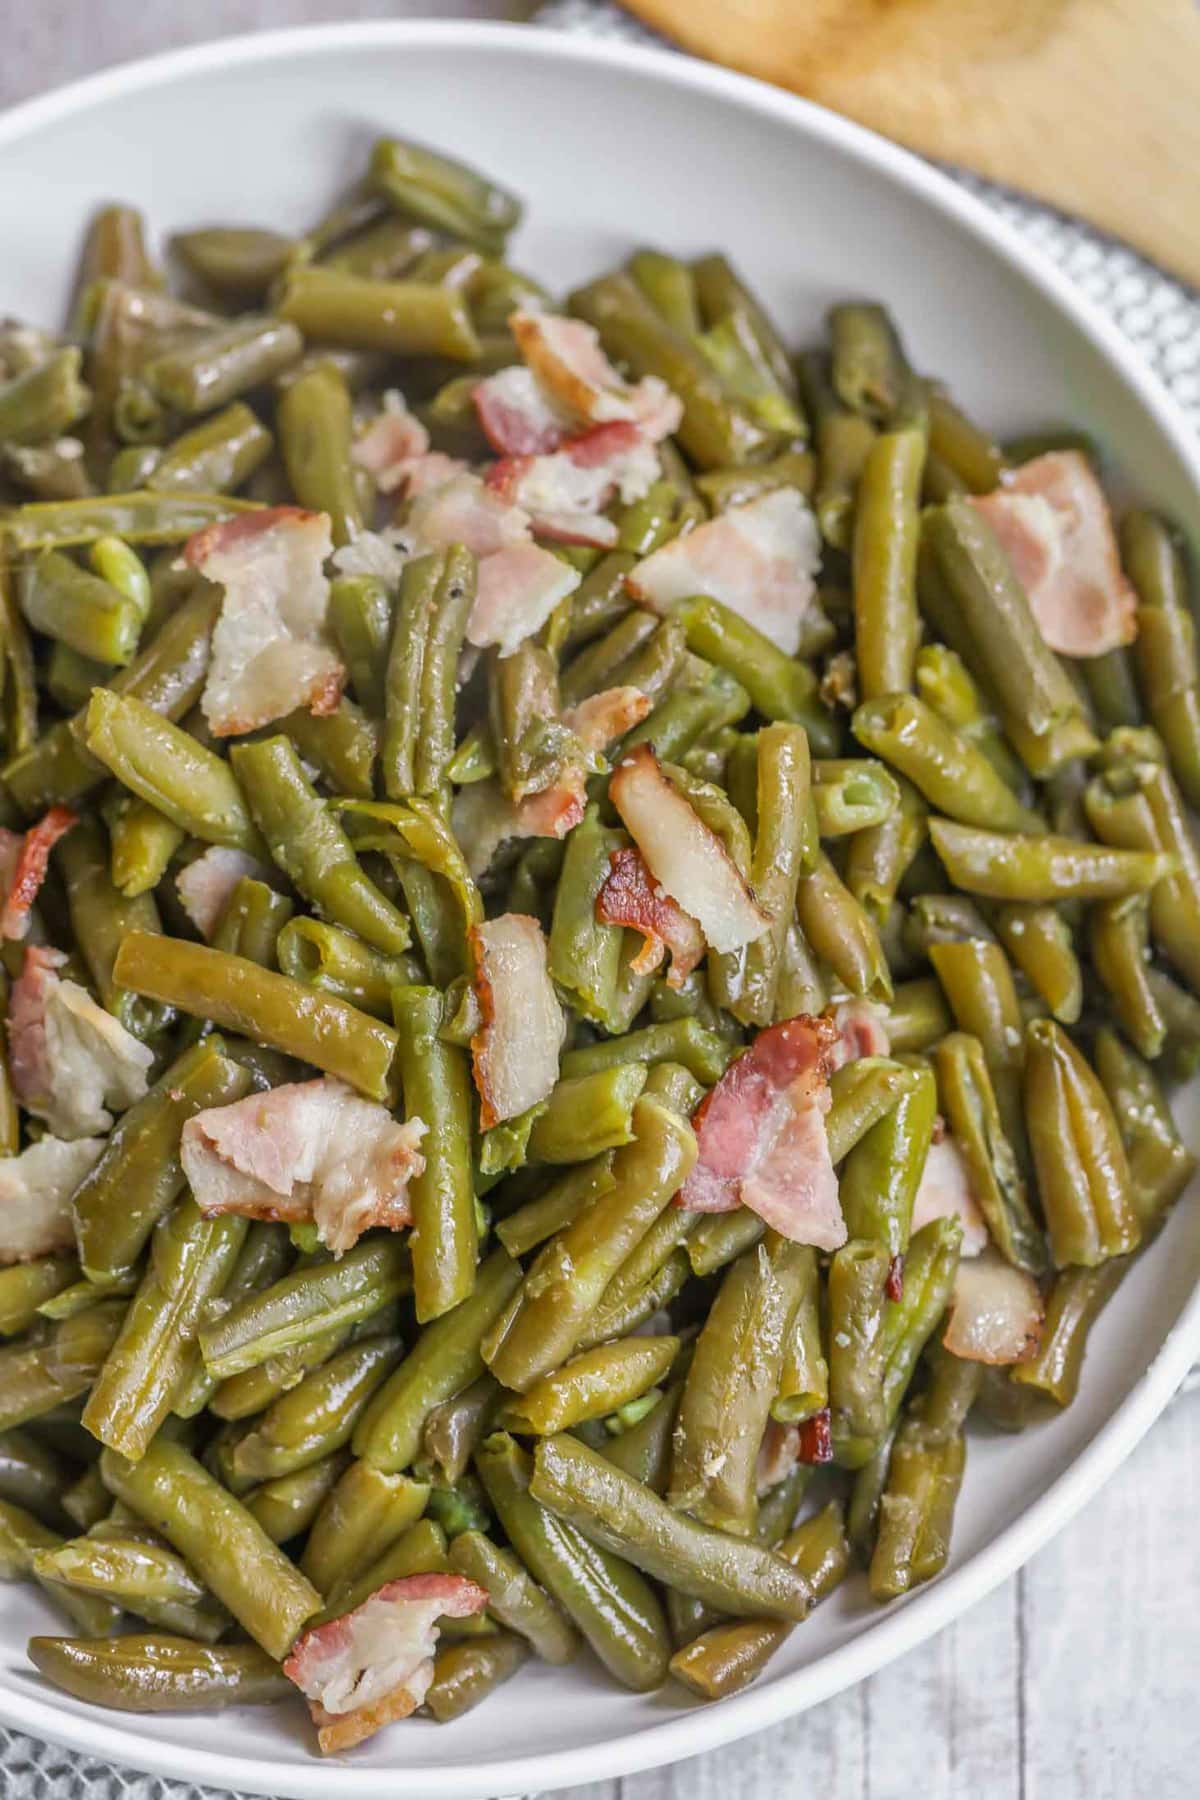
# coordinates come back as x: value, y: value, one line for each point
x: 604, y: 717
x: 563, y: 499
x: 1054, y: 524
x: 945, y: 1192
x: 758, y: 559
x: 374, y: 1664
x: 893, y: 1287
x: 425, y: 473
x: 393, y: 441
x: 515, y: 1055
x: 516, y: 416
x: 270, y: 651
x: 685, y: 856
x: 518, y: 589
x: 862, y: 1031
x: 465, y: 511
x: 996, y: 1312
x: 383, y: 553
x: 777, y: 1455
x: 816, y: 1438
x: 308, y: 1151
x: 23, y: 864
x: 69, y: 1059
x: 35, y: 1196
x: 761, y: 1137
x: 630, y: 896
x: 205, y: 886
x: 567, y: 360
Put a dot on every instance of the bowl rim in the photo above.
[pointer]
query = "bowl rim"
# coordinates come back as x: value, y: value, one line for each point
x: 692, y: 1729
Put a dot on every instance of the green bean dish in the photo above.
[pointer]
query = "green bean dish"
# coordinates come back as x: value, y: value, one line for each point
x: 595, y: 920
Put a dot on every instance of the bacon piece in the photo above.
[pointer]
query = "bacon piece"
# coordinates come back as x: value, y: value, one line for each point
x: 945, y: 1193
x: 515, y: 1054
x: 816, y: 1438
x: 425, y: 473
x: 205, y: 886
x: 996, y: 1312
x: 777, y: 1455
x: 862, y: 1031
x: 35, y: 1196
x: 518, y: 588
x: 307, y: 1151
x: 761, y: 1137
x: 23, y: 864
x: 466, y: 511
x: 69, y: 1059
x: 685, y: 856
x: 630, y: 896
x: 758, y: 559
x: 516, y: 416
x: 270, y: 653
x: 602, y: 718
x: 1054, y: 524
x: 393, y: 441
x: 383, y: 553
x: 564, y: 499
x: 566, y: 358
x: 374, y: 1664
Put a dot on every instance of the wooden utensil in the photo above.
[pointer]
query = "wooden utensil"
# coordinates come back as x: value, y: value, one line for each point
x: 1093, y: 105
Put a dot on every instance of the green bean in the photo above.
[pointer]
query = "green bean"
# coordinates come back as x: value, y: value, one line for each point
x: 209, y: 370
x: 22, y: 1540
x: 685, y: 1041
x: 360, y: 616
x: 716, y: 431
x: 288, y: 1506
x: 589, y: 1113
x: 136, y: 1575
x: 1008, y: 866
x: 436, y: 1083
x: 268, y: 1008
x: 440, y: 192
x: 1119, y: 939
x: 24, y: 1287
x: 43, y: 401
x: 1164, y: 651
x: 881, y: 1174
x: 843, y: 440
x: 924, y: 1475
x: 366, y: 1512
x: 421, y: 1550
x: 464, y: 1674
x: 532, y: 1223
x: 948, y: 688
x: 444, y: 901
x: 240, y: 262
x: 975, y: 603
x: 164, y: 765
x: 382, y: 250
x: 731, y: 1385
x: 731, y: 1654
x: 1083, y: 1175
x: 33, y: 1477
x: 153, y: 1673
x: 326, y: 957
x: 584, y: 955
x: 405, y: 318
x: 223, y: 1542
x: 445, y: 1360
x: 886, y: 531
x: 264, y: 1257
x: 592, y: 1384
x: 611, y: 1605
x: 779, y: 687
x: 101, y: 918
x: 968, y: 1101
x: 191, y: 1258
x: 852, y: 794
x: 858, y: 1280
x: 239, y: 1397
x: 869, y: 370
x: 514, y: 1597
x: 1160, y: 1164
x: 319, y: 1414
x: 977, y: 980
x: 546, y: 1319
x: 946, y: 767
x: 305, y: 1304
x: 1038, y: 939
x: 139, y: 518
x: 454, y: 1430
x: 436, y: 594
x: 37, y: 1374
x: 1137, y: 806
x: 216, y: 456
x: 841, y: 933
x: 79, y: 609
x: 315, y: 427
x: 628, y: 1519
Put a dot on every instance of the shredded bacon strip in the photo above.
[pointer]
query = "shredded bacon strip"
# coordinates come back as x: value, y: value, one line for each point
x: 996, y: 1312
x: 630, y: 896
x: 25, y: 860
x: 515, y: 1053
x: 761, y: 1137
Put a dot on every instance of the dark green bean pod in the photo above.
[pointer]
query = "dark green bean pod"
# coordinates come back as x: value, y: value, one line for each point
x: 881, y: 1174
x: 437, y: 1089
x: 1164, y: 650
x: 1160, y: 1164
x: 968, y: 1103
x: 1083, y: 1174
x: 887, y: 529
x: 362, y: 1516
x: 150, y: 1673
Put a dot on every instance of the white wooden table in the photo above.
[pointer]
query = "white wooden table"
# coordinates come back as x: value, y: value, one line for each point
x: 1077, y: 1680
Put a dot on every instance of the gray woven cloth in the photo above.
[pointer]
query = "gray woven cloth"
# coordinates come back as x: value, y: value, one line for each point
x: 1158, y: 314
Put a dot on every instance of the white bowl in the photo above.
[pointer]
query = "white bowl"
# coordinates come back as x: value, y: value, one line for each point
x: 613, y: 147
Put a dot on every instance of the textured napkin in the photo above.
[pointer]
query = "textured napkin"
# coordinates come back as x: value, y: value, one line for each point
x: 1158, y: 314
